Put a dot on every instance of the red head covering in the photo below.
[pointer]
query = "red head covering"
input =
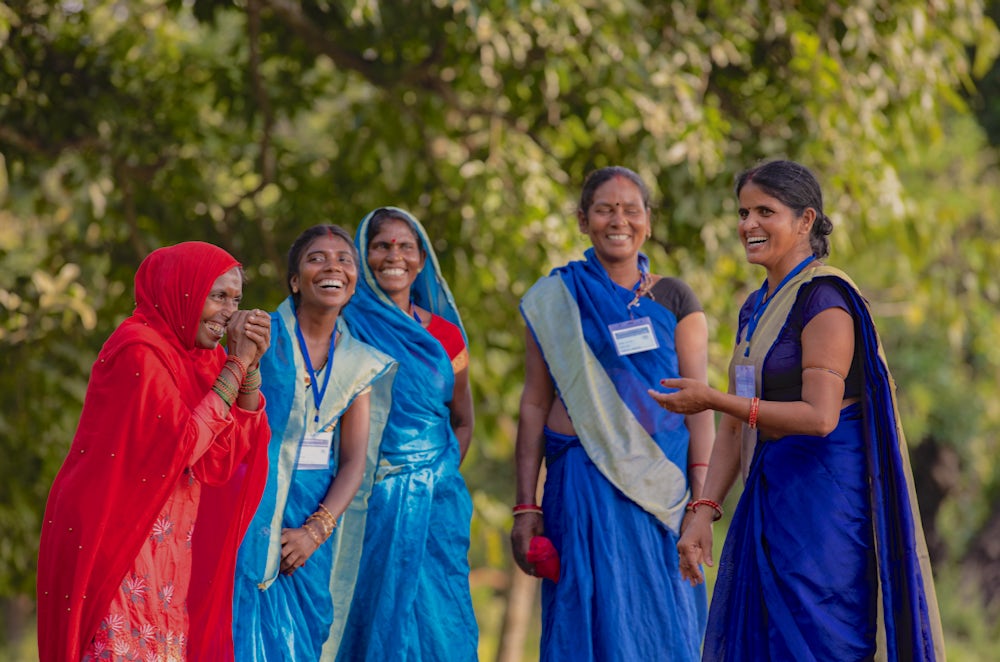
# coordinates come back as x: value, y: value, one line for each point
x: 133, y: 442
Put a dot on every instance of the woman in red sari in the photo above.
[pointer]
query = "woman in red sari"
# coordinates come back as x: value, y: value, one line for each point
x: 168, y: 463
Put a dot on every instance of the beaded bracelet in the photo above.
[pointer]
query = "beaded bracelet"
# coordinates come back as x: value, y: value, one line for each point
x: 693, y: 507
x: 523, y: 508
x: 754, y: 407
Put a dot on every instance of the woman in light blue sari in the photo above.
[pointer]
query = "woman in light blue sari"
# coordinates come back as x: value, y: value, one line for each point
x: 296, y: 570
x: 825, y: 558
x: 412, y: 600
x: 620, y: 470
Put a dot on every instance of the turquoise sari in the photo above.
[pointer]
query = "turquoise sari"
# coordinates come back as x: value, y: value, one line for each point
x: 412, y: 600
x: 293, y: 617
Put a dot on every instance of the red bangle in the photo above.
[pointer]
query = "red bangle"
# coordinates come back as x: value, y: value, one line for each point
x: 522, y: 508
x: 754, y: 407
x: 693, y: 507
x: 697, y: 464
x: 239, y: 364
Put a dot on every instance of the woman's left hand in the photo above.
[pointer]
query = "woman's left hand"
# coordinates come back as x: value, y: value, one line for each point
x: 690, y: 396
x: 296, y: 548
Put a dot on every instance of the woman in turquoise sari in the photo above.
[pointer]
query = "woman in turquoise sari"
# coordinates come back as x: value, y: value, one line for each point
x: 619, y: 469
x: 412, y: 600
x: 825, y: 558
x: 296, y: 570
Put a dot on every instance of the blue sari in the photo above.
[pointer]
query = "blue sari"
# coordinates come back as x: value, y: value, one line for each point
x: 825, y: 558
x: 412, y: 600
x: 291, y: 617
x: 615, y: 494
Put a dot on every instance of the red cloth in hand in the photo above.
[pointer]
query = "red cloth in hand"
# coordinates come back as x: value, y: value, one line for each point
x: 543, y: 554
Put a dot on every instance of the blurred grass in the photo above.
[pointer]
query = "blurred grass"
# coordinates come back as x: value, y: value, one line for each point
x: 969, y: 635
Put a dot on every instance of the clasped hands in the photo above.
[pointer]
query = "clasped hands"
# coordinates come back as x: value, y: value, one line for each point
x: 249, y: 335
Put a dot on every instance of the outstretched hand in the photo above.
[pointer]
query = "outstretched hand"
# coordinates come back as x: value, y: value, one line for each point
x: 686, y: 396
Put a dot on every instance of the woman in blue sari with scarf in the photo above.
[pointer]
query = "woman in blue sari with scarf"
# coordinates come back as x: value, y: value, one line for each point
x: 825, y: 558
x: 619, y: 468
x: 296, y: 568
x: 412, y: 600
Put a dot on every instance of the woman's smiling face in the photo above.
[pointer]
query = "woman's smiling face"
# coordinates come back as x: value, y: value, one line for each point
x: 394, y: 256
x: 773, y: 236
x: 328, y: 273
x: 617, y: 221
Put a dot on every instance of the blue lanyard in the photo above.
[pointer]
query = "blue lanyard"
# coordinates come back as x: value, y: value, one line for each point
x: 761, y: 304
x: 317, y: 392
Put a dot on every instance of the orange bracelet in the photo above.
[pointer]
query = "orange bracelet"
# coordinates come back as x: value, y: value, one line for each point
x: 754, y: 407
x: 693, y: 507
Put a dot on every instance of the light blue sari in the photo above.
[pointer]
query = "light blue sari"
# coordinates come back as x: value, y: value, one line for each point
x: 291, y: 617
x: 615, y: 494
x: 412, y: 600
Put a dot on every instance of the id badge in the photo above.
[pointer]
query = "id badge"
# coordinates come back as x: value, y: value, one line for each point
x: 634, y: 336
x: 746, y: 386
x: 315, y: 451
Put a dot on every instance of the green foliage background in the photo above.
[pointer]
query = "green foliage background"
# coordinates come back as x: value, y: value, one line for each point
x: 130, y: 124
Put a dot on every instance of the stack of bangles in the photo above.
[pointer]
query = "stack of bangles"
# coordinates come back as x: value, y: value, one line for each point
x: 524, y: 508
x: 693, y: 507
x: 324, y: 520
x: 249, y: 381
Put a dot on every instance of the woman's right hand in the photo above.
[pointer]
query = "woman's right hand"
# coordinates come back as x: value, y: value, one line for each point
x: 526, y: 527
x: 695, y: 545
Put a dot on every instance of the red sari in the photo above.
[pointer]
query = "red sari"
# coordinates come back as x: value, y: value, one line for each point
x: 145, y: 516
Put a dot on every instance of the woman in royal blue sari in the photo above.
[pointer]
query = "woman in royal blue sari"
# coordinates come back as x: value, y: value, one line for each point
x: 825, y: 558
x: 412, y: 600
x: 619, y: 469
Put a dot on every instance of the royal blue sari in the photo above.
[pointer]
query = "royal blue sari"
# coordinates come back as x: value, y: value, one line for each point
x: 614, y: 495
x: 412, y: 600
x: 825, y: 558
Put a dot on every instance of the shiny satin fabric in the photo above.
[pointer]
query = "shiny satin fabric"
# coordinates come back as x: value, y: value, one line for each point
x: 291, y: 617
x: 412, y: 600
x: 860, y: 586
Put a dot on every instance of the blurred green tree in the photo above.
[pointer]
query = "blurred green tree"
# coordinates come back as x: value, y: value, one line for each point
x: 130, y: 124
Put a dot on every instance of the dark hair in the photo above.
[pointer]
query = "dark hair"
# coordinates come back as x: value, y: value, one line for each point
x: 600, y: 176
x: 796, y: 187
x: 382, y: 216
x: 303, y: 241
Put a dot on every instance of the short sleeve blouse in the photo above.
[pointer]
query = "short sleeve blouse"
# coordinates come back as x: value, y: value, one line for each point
x: 782, y: 370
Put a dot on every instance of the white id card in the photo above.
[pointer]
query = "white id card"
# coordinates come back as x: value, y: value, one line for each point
x: 634, y: 336
x: 745, y: 381
x: 315, y: 451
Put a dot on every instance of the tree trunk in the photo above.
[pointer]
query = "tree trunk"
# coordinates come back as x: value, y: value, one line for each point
x: 521, y: 600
